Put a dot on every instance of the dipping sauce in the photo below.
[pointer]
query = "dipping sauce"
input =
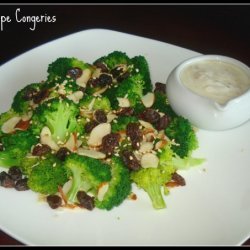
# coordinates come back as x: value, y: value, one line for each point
x: 217, y: 80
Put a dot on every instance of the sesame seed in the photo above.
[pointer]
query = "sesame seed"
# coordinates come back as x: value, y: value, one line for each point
x: 136, y: 70
x: 65, y: 81
x: 37, y: 136
x: 130, y: 158
x: 54, y: 164
x: 115, y: 121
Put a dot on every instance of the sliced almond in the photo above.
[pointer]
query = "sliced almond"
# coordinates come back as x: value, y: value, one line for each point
x: 45, y: 138
x: 160, y: 144
x: 91, y: 105
x: 111, y: 116
x: 102, y: 190
x: 83, y: 79
x: 97, y: 73
x: 147, y: 125
x: 149, y: 160
x: 123, y: 102
x: 100, y: 91
x: 9, y: 125
x: 76, y: 96
x: 146, y: 147
x: 148, y: 99
x: 71, y: 144
x: 97, y: 133
x: 91, y: 153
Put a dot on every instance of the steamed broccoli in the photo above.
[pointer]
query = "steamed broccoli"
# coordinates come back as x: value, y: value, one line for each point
x: 140, y: 66
x: 16, y: 146
x: 119, y: 186
x: 87, y: 174
x: 47, y: 176
x: 93, y: 103
x: 161, y: 104
x: 114, y: 59
x: 21, y: 101
x: 60, y: 67
x: 27, y: 163
x: 60, y: 116
x: 121, y: 123
x: 182, y: 132
x: 152, y: 180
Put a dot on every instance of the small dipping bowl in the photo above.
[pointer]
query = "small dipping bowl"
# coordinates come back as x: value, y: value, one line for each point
x: 212, y: 91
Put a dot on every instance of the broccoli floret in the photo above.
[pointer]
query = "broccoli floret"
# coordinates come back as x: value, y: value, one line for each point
x: 16, y: 146
x: 89, y: 102
x: 141, y: 67
x: 119, y: 186
x: 21, y: 101
x: 60, y: 116
x: 114, y: 59
x: 161, y: 104
x: 152, y: 180
x: 87, y: 175
x: 59, y: 68
x: 47, y: 176
x: 27, y: 164
x: 181, y: 130
x: 121, y: 123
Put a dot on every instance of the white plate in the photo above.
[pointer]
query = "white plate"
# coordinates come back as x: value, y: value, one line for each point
x: 212, y: 209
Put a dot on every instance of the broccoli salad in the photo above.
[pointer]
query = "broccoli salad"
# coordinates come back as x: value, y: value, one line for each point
x: 86, y: 134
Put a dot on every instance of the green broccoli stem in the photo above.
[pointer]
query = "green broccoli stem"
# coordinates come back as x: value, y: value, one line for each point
x: 154, y: 192
x: 7, y: 161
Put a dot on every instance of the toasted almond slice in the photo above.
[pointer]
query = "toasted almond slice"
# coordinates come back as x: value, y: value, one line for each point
x: 148, y: 99
x: 71, y: 144
x: 76, y: 96
x: 97, y: 133
x: 149, y: 160
x: 45, y: 138
x: 146, y: 147
x: 160, y: 144
x: 97, y: 73
x: 100, y: 91
x: 83, y: 79
x: 111, y: 116
x: 123, y: 102
x: 147, y: 125
x: 9, y: 125
x: 102, y: 190
x: 91, y: 153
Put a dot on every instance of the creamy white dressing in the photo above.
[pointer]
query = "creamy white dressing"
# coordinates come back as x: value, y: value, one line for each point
x: 217, y: 80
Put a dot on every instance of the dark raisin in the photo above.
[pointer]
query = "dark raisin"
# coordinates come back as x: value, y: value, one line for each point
x: 117, y: 71
x: 160, y: 87
x: 90, y: 125
x: 6, y: 180
x: 109, y: 142
x: 128, y: 111
x: 102, y: 66
x: 100, y: 116
x: 62, y: 153
x: 40, y: 96
x: 123, y: 76
x: 15, y: 173
x: 54, y: 201
x: 41, y: 149
x: 104, y: 80
x: 150, y: 115
x: 130, y: 160
x: 85, y: 200
x: 29, y: 94
x: 133, y: 131
x: 74, y: 72
x: 162, y: 123
x: 178, y: 179
x: 22, y: 185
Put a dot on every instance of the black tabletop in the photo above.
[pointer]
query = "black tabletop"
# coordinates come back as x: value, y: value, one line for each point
x: 208, y: 29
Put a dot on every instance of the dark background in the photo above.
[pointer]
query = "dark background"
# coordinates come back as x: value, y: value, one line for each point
x: 209, y: 29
